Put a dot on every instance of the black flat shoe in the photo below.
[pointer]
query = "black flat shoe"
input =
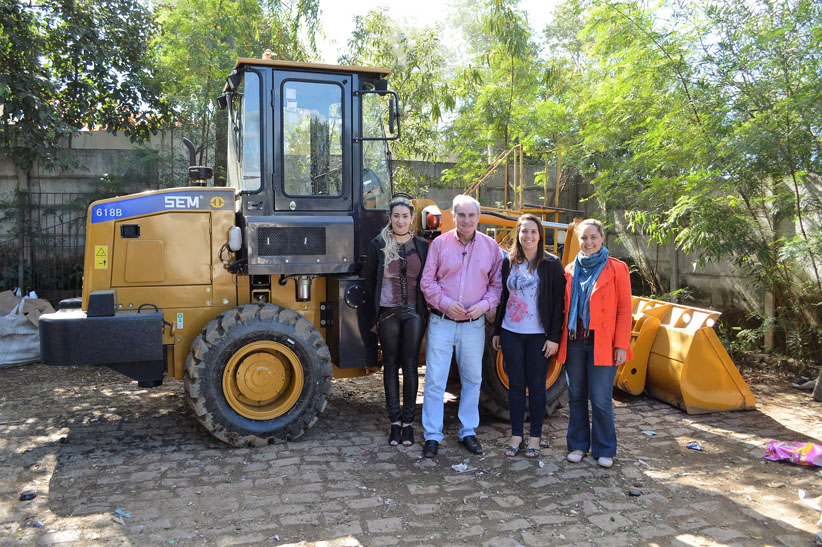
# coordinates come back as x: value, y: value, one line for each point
x: 429, y: 450
x: 394, y: 437
x: 471, y: 444
x: 407, y: 435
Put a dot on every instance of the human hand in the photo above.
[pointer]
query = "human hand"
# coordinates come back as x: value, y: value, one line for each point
x: 495, y: 342
x: 474, y: 312
x: 550, y: 348
x: 620, y: 355
x: 456, y: 310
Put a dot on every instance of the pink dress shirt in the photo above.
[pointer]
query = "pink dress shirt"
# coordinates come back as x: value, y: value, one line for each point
x: 468, y: 273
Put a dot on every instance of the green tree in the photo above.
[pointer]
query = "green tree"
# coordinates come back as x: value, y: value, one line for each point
x: 66, y: 65
x: 497, y: 90
x: 705, y: 128
x: 416, y: 59
x: 69, y: 64
x: 199, y: 44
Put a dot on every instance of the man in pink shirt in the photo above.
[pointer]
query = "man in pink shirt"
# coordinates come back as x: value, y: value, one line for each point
x: 461, y: 282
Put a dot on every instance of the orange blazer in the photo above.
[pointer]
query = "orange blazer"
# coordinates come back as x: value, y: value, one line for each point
x: 610, y: 312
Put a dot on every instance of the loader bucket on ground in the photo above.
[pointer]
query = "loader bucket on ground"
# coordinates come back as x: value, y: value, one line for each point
x: 647, y: 316
x: 689, y: 368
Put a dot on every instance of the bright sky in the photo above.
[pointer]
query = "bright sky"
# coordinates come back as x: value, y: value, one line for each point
x: 338, y: 17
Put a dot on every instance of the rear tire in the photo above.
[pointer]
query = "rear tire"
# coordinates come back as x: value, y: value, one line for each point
x: 257, y: 374
x: 494, y: 394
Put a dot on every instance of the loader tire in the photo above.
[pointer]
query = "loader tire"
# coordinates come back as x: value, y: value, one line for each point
x: 494, y: 394
x: 257, y: 374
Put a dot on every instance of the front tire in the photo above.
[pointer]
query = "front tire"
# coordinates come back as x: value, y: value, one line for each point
x: 257, y: 374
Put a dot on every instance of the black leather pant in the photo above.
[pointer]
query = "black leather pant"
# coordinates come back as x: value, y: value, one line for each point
x: 400, y: 331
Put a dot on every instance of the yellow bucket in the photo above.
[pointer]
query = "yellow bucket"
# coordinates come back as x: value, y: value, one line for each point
x: 630, y: 376
x: 684, y: 361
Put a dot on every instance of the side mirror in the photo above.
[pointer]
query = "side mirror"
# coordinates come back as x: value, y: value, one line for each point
x: 233, y: 81
x: 380, y: 111
x: 392, y: 113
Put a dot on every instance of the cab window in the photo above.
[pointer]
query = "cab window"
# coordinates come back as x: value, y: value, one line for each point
x: 312, y: 138
x: 244, y: 135
x: 375, y: 175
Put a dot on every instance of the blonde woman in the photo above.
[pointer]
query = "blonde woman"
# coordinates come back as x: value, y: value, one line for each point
x: 391, y: 272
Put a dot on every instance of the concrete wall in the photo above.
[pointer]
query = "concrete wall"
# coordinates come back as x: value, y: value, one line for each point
x: 93, y: 154
x: 720, y: 286
x: 87, y: 156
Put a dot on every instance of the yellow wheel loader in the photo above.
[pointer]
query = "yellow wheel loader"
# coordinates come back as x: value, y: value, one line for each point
x: 250, y: 293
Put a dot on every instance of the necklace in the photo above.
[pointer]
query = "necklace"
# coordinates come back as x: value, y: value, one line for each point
x: 401, y: 238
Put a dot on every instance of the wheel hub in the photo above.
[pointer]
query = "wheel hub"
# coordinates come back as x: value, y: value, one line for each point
x: 263, y: 380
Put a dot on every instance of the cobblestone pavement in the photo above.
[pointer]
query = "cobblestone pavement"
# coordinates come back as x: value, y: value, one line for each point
x: 89, y: 443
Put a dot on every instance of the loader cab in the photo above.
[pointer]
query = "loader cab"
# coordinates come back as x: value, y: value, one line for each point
x: 307, y: 155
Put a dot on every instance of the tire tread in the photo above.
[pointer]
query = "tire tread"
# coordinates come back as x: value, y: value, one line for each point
x: 237, y: 320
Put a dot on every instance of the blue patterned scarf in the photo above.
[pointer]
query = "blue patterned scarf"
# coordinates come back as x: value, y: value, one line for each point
x: 586, y: 272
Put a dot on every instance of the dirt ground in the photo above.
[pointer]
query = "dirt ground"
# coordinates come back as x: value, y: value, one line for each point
x: 113, y: 464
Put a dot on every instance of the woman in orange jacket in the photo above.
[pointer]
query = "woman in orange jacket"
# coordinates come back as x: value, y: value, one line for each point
x: 595, y: 340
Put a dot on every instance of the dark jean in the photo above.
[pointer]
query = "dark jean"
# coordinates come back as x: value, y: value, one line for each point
x: 400, y: 331
x: 587, y: 381
x: 526, y: 366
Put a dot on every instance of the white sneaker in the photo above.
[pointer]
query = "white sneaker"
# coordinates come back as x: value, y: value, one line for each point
x: 605, y: 462
x: 575, y: 456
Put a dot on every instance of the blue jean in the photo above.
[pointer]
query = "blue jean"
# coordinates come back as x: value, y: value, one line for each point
x: 587, y: 381
x: 526, y: 366
x: 443, y: 338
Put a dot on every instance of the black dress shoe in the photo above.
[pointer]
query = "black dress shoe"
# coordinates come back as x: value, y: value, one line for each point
x: 471, y: 444
x: 430, y: 449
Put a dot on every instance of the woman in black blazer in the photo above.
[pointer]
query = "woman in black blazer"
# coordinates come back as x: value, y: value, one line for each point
x: 391, y: 273
x: 528, y: 327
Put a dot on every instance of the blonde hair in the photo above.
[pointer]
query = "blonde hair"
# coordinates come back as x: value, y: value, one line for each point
x: 391, y: 249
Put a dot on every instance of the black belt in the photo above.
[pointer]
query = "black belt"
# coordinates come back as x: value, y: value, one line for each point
x: 438, y: 313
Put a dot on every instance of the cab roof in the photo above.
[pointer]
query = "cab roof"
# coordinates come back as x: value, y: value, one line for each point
x: 243, y: 61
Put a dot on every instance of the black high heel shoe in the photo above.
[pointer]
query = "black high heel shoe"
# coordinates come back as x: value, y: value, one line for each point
x: 407, y: 435
x: 394, y: 437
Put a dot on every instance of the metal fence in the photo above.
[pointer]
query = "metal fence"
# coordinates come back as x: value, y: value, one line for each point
x: 46, y: 243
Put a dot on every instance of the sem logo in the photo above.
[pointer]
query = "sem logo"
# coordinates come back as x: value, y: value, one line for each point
x: 181, y: 202
x: 217, y: 202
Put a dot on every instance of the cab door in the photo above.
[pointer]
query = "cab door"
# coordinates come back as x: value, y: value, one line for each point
x: 312, y: 148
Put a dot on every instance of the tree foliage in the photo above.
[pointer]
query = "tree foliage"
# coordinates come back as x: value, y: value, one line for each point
x: 69, y: 64
x: 704, y: 128
x: 497, y: 87
x: 201, y: 40
x: 416, y: 59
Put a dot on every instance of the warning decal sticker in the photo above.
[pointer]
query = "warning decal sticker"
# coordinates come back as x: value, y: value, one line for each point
x: 101, y: 257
